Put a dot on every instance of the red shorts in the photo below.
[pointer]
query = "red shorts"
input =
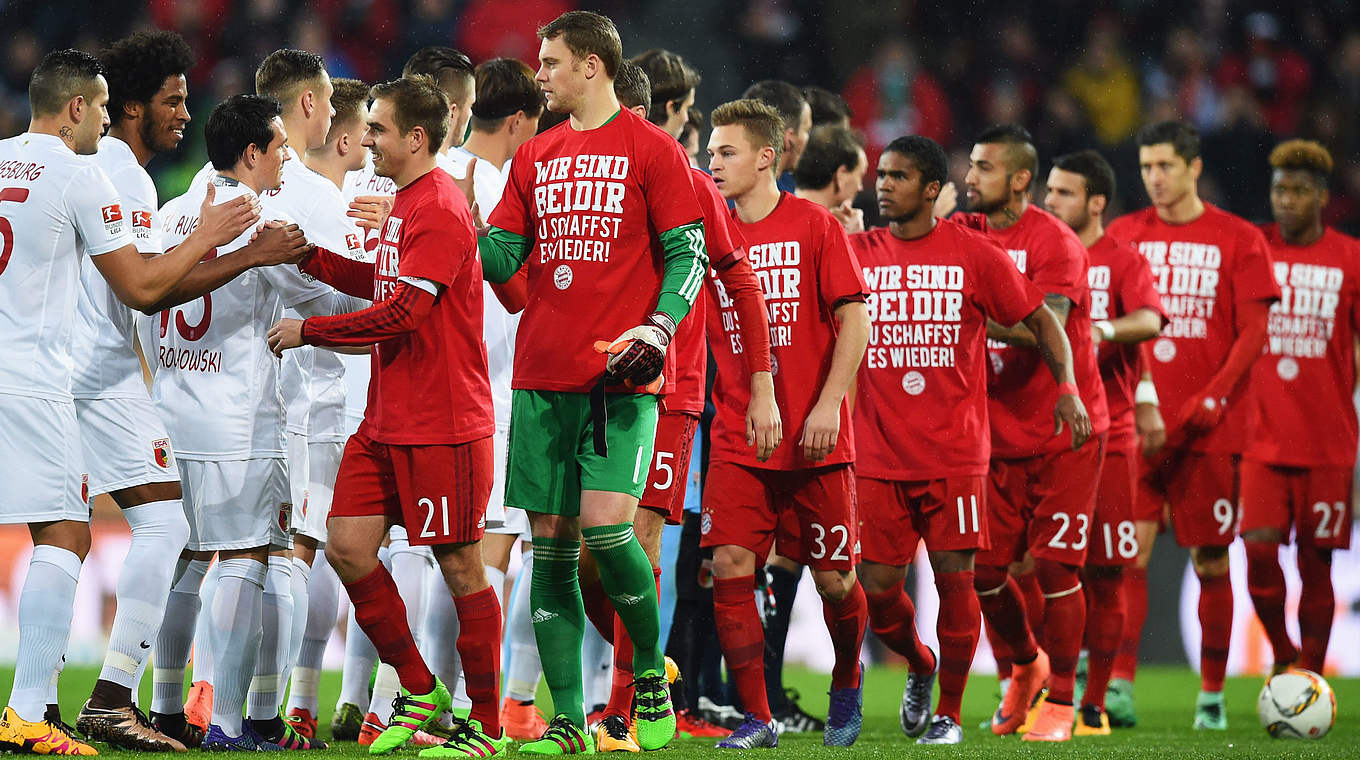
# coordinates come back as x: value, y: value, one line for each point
x: 1114, y: 541
x: 666, y: 484
x: 1202, y: 492
x: 949, y: 513
x: 808, y: 515
x: 1315, y: 501
x: 1043, y: 505
x: 439, y: 493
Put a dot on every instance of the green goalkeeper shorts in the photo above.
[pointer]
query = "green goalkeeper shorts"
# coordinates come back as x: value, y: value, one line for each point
x: 552, y: 450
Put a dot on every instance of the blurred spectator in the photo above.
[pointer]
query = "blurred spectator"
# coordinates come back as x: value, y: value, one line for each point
x: 892, y: 95
x: 1106, y: 85
x: 1277, y: 75
x: 506, y: 28
x: 1181, y: 78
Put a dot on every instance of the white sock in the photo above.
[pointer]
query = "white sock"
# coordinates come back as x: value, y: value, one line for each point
x: 411, y: 571
x: 523, y: 668
x: 56, y: 678
x: 266, y: 687
x: 440, y: 630
x: 301, y: 582
x: 323, y: 602
x: 597, y: 668
x: 176, y: 637
x: 203, y: 650
x: 159, y: 531
x: 360, y: 655
x: 236, y: 633
x: 496, y: 577
x: 45, y: 608
x: 386, y: 687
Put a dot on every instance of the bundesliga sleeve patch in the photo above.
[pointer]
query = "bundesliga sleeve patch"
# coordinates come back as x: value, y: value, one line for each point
x: 113, y: 219
x: 141, y: 224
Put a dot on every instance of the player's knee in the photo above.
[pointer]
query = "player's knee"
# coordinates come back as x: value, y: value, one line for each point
x: 1210, y: 561
x: 833, y: 585
x: 951, y: 562
x: 733, y: 562
x: 1263, y: 535
x: 1056, y: 578
x: 878, y: 578
x: 988, y: 579
x: 1104, y: 571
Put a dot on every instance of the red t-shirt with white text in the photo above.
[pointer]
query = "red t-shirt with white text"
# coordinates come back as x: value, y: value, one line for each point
x: 922, y: 407
x: 1204, y: 270
x: 806, y: 268
x: 1302, y: 414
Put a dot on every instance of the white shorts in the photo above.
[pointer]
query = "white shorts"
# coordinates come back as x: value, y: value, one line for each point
x: 124, y: 443
x: 495, y: 506
x: 298, y: 478
x: 236, y: 504
x: 41, y: 465
x: 323, y: 462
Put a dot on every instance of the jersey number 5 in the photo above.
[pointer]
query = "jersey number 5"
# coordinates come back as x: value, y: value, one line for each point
x: 16, y: 195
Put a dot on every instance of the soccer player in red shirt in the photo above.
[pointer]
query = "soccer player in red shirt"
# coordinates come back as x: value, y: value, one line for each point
x: 664, y: 500
x: 921, y: 418
x: 1127, y: 311
x: 1297, y: 468
x: 1213, y: 271
x: 802, y: 499
x: 423, y: 456
x: 1043, y: 484
x: 602, y: 208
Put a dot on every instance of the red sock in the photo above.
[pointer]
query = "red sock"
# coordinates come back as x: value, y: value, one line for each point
x: 1215, y: 621
x: 742, y: 640
x: 1317, y: 606
x: 1135, y: 612
x: 621, y: 688
x: 957, y: 628
x: 1265, y: 583
x: 479, y: 646
x: 1000, y: 651
x: 379, y: 611
x: 846, y: 620
x: 598, y: 609
x: 892, y: 618
x: 1065, y: 619
x: 1104, y: 628
x: 1034, y: 606
x: 1004, y: 611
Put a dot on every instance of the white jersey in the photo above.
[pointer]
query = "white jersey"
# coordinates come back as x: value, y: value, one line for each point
x: 216, y: 379
x: 359, y: 367
x: 313, y: 379
x: 54, y: 207
x: 105, y: 327
x: 498, y: 325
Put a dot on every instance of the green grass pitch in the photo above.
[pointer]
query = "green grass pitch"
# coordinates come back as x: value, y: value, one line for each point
x: 1165, y: 699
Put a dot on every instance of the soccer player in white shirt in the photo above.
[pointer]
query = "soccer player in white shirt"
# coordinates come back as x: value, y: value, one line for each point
x: 55, y: 206
x: 219, y: 385
x: 125, y: 444
x: 328, y: 428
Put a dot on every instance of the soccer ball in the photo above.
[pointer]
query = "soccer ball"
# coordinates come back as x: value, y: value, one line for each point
x: 1297, y: 704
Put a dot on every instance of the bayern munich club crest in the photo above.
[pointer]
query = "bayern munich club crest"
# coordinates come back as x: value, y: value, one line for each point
x: 705, y: 523
x: 1164, y: 349
x: 562, y: 277
x: 160, y: 448
x: 913, y: 383
x: 1287, y: 368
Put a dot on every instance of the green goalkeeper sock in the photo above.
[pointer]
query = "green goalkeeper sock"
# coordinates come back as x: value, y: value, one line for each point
x: 628, y: 581
x: 559, y: 619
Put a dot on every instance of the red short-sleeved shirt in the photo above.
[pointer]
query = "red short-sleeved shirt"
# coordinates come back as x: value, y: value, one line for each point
x: 430, y: 386
x: 1203, y: 269
x: 922, y: 407
x: 689, y: 348
x: 1121, y: 283
x: 803, y: 259
x: 594, y: 203
x: 1302, y: 414
x: 1023, y: 392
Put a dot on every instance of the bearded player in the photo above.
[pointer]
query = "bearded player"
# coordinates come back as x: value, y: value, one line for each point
x: 1213, y: 272
x: 1297, y: 467
x: 801, y: 501
x: 1043, y: 484
x: 1127, y: 311
x: 582, y: 425
x: 921, y: 418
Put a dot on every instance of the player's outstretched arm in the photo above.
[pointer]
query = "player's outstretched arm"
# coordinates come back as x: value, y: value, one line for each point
x: 1135, y: 327
x: 346, y: 275
x: 502, y: 253
x: 276, y: 243
x: 142, y: 282
x: 408, y: 307
x: 1057, y: 354
x: 823, y: 423
x: 1203, y: 410
x: 1020, y: 335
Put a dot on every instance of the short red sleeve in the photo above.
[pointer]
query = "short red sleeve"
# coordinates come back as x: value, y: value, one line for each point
x: 1006, y: 295
x: 666, y: 184
x: 435, y: 245
x: 1253, y: 279
x: 510, y: 213
x: 839, y: 277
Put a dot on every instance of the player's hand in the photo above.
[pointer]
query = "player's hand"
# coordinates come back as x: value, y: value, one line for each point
x: 638, y: 356
x: 1202, y: 412
x: 764, y: 428
x: 1070, y: 411
x: 370, y: 211
x: 851, y: 218
x: 946, y: 201
x: 277, y: 243
x: 223, y: 223
x: 285, y: 334
x: 1147, y: 420
x: 467, y: 184
x: 820, y: 431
